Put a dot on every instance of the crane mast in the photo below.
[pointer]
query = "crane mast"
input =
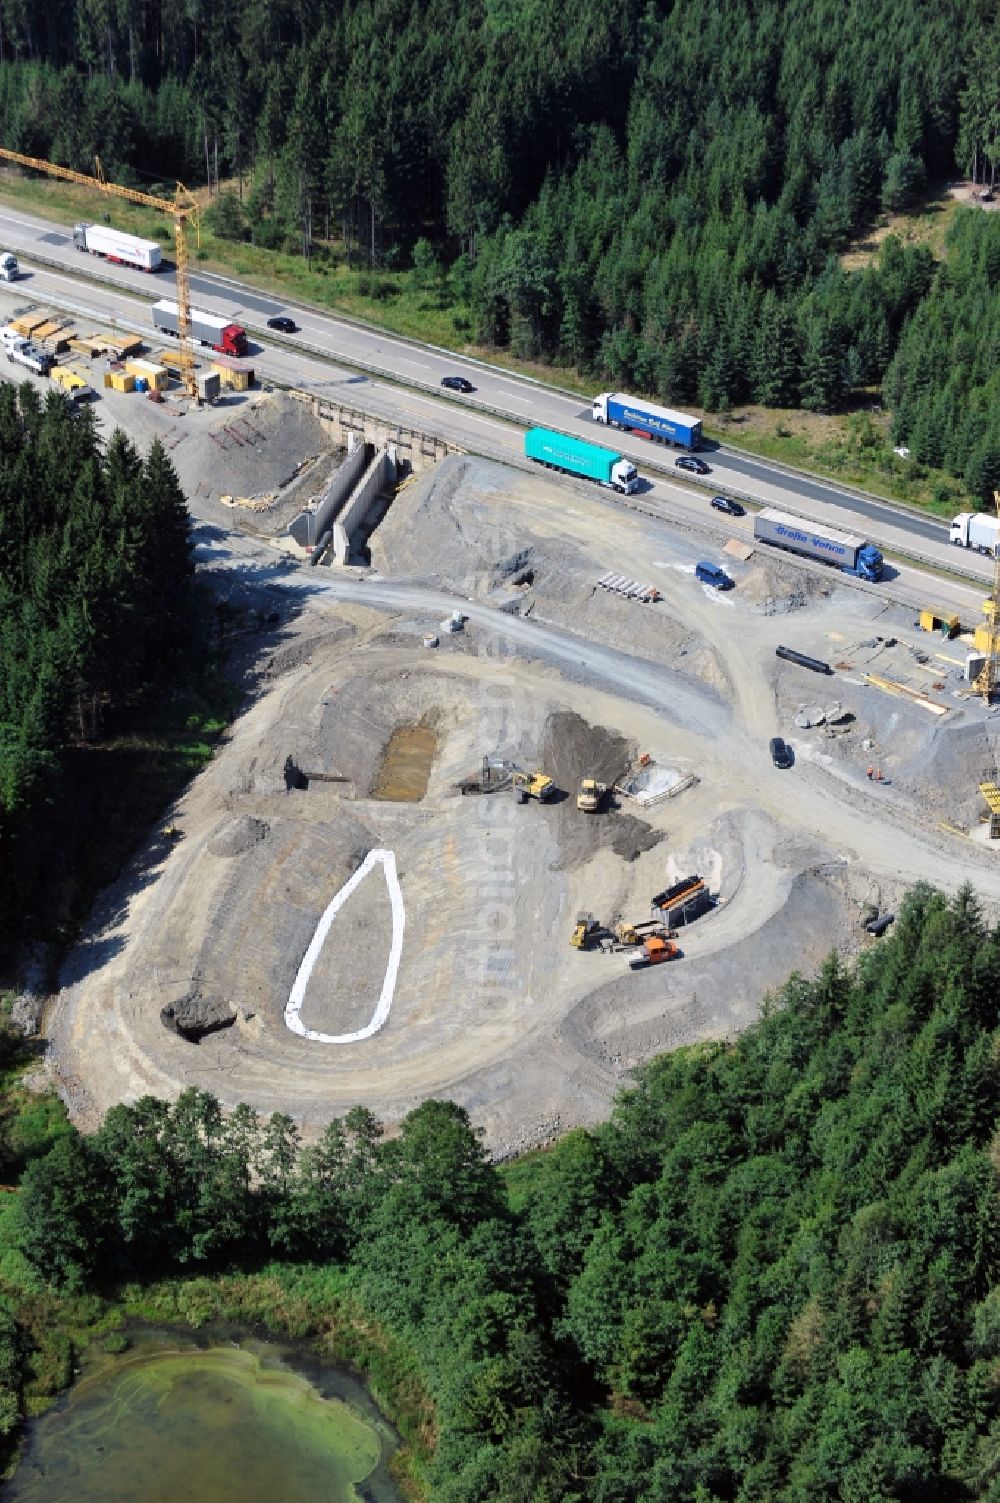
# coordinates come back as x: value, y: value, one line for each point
x: 183, y: 211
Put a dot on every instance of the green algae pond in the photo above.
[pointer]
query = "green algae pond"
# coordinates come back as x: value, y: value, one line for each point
x: 207, y: 1419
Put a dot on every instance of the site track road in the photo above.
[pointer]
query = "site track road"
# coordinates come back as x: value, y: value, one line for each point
x: 853, y: 822
x: 402, y: 382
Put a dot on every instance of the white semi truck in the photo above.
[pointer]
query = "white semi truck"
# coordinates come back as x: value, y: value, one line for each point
x: 23, y: 352
x: 9, y: 270
x: 975, y: 530
x: 115, y: 245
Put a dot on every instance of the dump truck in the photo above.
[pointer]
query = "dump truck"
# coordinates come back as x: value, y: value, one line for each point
x: 654, y: 951
x: 9, y: 270
x: 647, y: 420
x: 218, y: 333
x: 535, y: 785
x: 558, y: 451
x: 115, y: 245
x: 852, y: 555
x: 591, y: 794
x: 975, y: 530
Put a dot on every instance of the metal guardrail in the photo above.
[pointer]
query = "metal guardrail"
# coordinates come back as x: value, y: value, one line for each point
x: 516, y: 420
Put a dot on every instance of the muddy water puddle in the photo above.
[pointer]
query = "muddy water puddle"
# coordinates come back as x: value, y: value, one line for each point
x: 243, y: 1421
x: 405, y: 768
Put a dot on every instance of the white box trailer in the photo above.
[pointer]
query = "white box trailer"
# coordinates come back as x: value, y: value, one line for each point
x: 115, y: 245
x: 206, y: 328
x: 975, y: 530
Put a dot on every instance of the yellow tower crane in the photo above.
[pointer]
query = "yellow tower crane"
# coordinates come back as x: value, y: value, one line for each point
x: 989, y: 675
x: 183, y: 210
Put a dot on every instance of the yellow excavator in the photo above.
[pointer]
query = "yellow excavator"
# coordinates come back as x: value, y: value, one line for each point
x: 534, y: 785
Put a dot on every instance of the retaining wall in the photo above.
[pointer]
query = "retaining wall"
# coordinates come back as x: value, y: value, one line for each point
x: 379, y: 476
x: 309, y: 526
x: 415, y: 450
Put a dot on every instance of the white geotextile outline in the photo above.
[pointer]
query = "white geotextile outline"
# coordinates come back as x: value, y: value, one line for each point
x: 296, y: 997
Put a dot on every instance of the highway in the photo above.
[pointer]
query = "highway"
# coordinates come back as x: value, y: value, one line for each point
x: 398, y: 379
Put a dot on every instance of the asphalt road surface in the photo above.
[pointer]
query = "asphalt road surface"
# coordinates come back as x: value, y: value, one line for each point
x: 401, y: 380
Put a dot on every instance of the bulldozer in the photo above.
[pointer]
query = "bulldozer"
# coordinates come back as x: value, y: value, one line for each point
x: 534, y: 785
x: 171, y: 832
x: 654, y: 951
x: 591, y: 795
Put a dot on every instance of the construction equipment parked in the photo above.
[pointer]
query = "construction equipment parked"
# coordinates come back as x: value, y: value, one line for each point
x: 627, y: 934
x: 535, y: 784
x: 654, y: 952
x: 591, y: 795
x: 587, y: 932
x: 493, y: 777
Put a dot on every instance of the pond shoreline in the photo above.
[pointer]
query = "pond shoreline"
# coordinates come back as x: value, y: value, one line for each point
x: 240, y: 1411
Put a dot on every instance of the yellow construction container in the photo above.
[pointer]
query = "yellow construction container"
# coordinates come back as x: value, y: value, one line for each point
x: 232, y: 374
x: 948, y: 626
x: 120, y: 381
x: 69, y: 379
x: 154, y: 375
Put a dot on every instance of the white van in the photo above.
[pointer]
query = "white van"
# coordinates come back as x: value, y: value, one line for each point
x: 10, y: 339
x: 8, y: 267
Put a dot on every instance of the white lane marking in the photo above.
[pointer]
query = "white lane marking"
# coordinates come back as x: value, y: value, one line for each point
x: 421, y: 365
x: 467, y: 413
x: 296, y: 997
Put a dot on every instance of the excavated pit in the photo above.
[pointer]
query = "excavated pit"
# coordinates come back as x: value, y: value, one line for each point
x: 405, y: 766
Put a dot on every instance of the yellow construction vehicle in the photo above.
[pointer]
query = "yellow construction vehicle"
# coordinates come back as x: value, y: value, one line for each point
x: 634, y: 934
x: 171, y: 832
x: 586, y: 932
x: 591, y: 795
x: 534, y: 785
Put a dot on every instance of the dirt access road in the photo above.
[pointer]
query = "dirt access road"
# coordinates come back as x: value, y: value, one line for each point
x: 185, y: 975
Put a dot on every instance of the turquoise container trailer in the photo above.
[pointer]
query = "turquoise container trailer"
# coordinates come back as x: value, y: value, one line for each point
x: 576, y: 457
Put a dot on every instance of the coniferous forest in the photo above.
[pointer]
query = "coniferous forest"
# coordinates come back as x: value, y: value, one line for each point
x: 772, y: 1275
x: 656, y: 193
x: 97, y: 621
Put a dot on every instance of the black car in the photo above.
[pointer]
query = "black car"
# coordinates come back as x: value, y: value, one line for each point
x: 283, y: 325
x: 696, y: 466
x: 731, y: 508
x: 457, y: 383
x: 781, y: 752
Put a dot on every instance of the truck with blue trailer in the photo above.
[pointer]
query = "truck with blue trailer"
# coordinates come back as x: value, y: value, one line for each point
x: 647, y: 420
x: 576, y: 457
x: 852, y: 555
